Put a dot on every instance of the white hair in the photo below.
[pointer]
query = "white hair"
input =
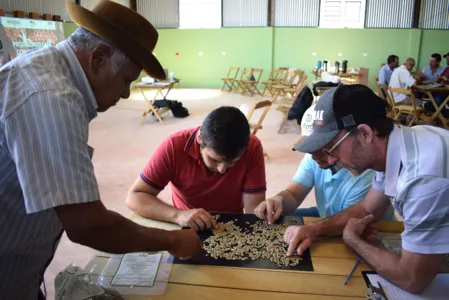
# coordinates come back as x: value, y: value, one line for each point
x: 82, y: 39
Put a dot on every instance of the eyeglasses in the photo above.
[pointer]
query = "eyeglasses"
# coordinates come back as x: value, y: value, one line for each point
x: 329, y: 152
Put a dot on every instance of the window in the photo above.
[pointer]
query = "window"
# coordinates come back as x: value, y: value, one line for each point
x: 342, y: 13
x: 295, y: 13
x: 199, y: 13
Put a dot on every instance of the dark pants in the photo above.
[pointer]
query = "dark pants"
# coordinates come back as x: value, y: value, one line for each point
x: 306, y: 212
x: 439, y: 99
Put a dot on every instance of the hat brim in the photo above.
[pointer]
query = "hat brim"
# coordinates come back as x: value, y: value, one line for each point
x: 117, y: 37
x: 316, y: 141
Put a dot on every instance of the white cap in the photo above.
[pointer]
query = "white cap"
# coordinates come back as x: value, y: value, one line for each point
x: 307, y: 121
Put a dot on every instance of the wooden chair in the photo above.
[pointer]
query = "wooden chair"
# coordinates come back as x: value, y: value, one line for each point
x: 274, y: 78
x: 255, y: 127
x: 250, y: 85
x: 288, y: 82
x: 431, y: 117
x: 230, y: 77
x: 287, y: 101
x: 245, y: 75
x: 407, y: 109
x: 382, y: 92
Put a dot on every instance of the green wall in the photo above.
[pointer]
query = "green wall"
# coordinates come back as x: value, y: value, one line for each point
x: 290, y: 47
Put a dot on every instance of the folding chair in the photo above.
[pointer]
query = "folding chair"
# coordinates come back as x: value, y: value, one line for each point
x: 274, y: 78
x: 287, y: 83
x: 245, y: 75
x: 229, y: 79
x: 251, y: 84
x: 429, y: 119
x: 287, y: 102
x: 382, y: 92
x: 408, y: 109
x: 265, y: 104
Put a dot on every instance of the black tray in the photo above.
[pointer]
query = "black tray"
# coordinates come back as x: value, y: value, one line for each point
x: 202, y: 259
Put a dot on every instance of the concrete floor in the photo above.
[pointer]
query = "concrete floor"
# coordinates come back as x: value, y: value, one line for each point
x: 123, y: 146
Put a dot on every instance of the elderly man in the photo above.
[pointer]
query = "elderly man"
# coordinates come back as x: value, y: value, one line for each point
x: 218, y: 167
x: 47, y: 181
x: 358, y: 139
x: 335, y: 188
x: 386, y: 71
x: 402, y: 78
x: 433, y: 71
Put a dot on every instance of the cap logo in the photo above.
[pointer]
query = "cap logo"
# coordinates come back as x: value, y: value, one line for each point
x: 318, y: 117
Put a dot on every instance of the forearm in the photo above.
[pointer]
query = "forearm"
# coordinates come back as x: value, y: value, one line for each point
x: 289, y: 202
x: 150, y: 206
x: 334, y: 225
x: 117, y: 234
x: 383, y: 261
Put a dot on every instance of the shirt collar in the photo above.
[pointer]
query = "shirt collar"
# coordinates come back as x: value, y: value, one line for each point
x: 79, y: 77
x: 192, y: 147
x: 393, y: 162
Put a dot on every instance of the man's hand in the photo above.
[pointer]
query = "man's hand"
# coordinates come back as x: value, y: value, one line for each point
x: 197, y: 219
x: 359, y: 227
x: 186, y: 243
x: 299, y: 238
x: 269, y: 210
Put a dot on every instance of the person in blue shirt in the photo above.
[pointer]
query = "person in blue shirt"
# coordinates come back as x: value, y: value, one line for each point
x: 386, y: 71
x: 433, y: 71
x: 335, y: 188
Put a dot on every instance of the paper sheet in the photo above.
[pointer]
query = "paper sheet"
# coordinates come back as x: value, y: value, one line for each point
x: 438, y: 289
x: 137, y: 269
x: 105, y: 273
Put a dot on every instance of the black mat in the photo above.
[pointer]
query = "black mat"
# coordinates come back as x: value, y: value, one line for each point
x: 202, y: 259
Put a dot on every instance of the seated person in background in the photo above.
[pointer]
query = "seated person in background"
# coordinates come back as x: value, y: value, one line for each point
x: 433, y: 71
x: 386, y: 71
x: 335, y: 188
x: 401, y: 78
x: 217, y: 167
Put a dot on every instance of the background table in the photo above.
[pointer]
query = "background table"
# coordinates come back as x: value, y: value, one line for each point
x: 332, y: 262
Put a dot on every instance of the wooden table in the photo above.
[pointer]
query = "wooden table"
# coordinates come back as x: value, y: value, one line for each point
x: 358, y: 77
x: 428, y: 90
x: 332, y: 262
x: 159, y: 87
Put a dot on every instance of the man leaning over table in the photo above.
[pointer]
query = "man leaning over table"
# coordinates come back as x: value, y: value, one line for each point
x: 335, y: 188
x: 412, y: 174
x: 216, y: 167
x: 47, y: 181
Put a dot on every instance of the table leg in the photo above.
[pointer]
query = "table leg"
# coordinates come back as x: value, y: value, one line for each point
x: 151, y: 107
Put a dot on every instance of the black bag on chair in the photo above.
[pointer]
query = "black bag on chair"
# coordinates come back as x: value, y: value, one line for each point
x: 302, y: 102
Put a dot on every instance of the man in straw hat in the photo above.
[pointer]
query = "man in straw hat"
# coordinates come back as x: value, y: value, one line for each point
x: 47, y: 181
x: 412, y: 174
x: 335, y: 188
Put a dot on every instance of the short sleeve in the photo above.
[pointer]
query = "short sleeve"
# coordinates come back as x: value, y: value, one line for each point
x: 305, y: 174
x: 47, y: 138
x: 159, y: 170
x: 255, y: 180
x: 425, y: 206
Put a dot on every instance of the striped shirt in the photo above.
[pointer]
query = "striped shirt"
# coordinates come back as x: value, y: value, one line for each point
x: 417, y: 180
x: 46, y: 104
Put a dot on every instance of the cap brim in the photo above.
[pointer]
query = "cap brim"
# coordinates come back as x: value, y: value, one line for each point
x: 315, y: 142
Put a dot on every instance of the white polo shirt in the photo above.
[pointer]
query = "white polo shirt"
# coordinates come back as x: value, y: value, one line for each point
x: 401, y: 78
x: 417, y: 181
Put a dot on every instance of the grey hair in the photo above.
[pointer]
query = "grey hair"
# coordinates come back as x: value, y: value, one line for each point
x: 82, y: 39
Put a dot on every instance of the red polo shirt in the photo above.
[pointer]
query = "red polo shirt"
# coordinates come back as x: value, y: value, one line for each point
x: 177, y: 160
